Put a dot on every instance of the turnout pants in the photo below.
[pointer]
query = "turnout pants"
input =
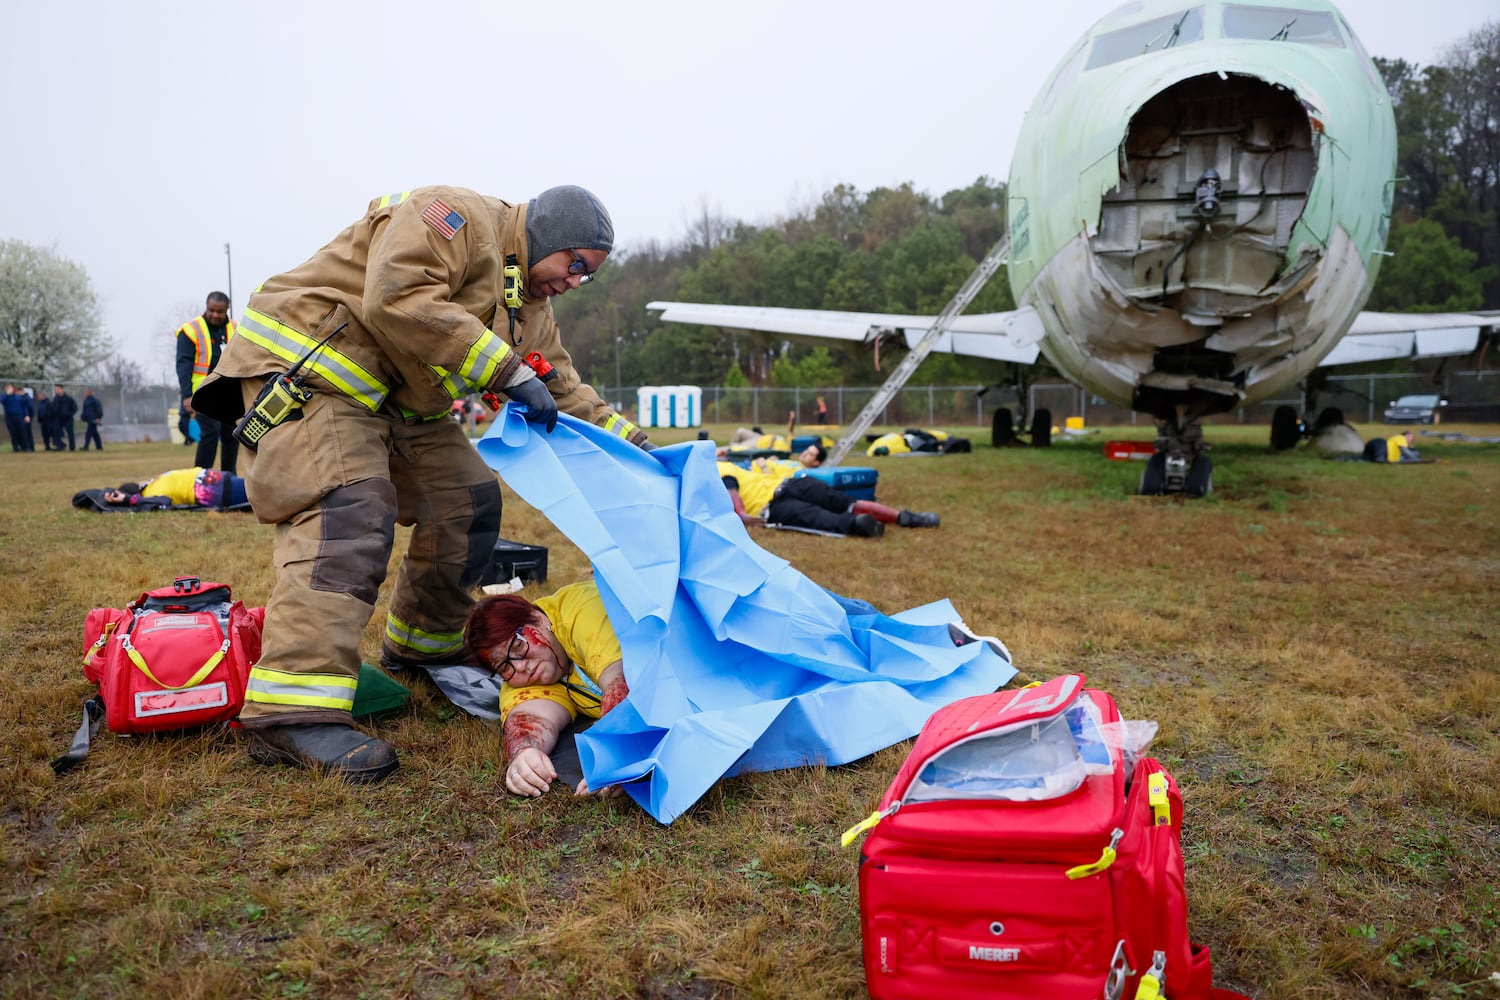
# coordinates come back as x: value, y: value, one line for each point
x: 805, y: 502
x: 335, y: 484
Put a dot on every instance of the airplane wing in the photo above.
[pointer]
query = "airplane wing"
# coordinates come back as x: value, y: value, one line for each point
x: 1377, y: 336
x: 1002, y: 336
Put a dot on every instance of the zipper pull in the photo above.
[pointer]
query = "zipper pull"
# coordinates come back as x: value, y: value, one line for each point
x: 1161, y: 806
x: 1105, y: 860
x: 1154, y: 980
x: 867, y: 823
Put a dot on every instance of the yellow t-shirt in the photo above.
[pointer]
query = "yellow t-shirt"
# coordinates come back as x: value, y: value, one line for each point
x: 888, y: 444
x: 576, y: 613
x: 758, y: 486
x: 176, y: 486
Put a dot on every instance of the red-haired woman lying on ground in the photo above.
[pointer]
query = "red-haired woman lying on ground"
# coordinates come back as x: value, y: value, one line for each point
x: 558, y: 657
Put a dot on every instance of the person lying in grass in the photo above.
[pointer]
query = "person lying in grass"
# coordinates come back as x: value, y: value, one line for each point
x: 183, y: 487
x: 557, y: 658
x: 772, y: 492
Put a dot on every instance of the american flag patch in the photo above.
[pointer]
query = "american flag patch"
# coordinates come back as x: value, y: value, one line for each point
x: 442, y: 218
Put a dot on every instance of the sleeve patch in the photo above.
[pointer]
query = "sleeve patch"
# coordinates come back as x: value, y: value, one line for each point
x: 445, y: 220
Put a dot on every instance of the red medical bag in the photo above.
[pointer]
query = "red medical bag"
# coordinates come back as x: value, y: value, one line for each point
x: 174, y: 658
x: 1019, y: 852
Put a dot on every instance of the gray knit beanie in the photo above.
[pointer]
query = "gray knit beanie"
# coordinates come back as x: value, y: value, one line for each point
x: 564, y: 218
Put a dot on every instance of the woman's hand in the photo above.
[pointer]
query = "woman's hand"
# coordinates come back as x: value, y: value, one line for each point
x: 530, y: 772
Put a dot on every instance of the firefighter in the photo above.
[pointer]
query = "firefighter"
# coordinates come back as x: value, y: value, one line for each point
x: 345, y: 370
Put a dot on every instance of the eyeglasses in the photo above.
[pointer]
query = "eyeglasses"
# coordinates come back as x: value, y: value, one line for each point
x: 580, y: 267
x: 517, y: 650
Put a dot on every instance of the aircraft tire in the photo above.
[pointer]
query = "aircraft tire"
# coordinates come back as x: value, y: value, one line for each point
x: 1200, y: 478
x: 1041, y: 429
x: 1331, y: 416
x: 1154, y: 478
x: 1286, y: 429
x: 1002, y: 429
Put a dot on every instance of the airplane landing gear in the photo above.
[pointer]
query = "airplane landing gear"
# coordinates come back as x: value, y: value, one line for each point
x: 1002, y: 429
x: 1181, y: 463
x: 1041, y: 428
x: 1286, y: 428
x: 1174, y: 474
x: 1200, y: 478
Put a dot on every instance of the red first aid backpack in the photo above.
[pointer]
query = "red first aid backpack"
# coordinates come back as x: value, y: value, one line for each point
x: 1019, y: 853
x: 174, y: 658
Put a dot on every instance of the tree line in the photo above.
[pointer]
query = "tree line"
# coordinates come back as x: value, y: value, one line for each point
x: 891, y: 249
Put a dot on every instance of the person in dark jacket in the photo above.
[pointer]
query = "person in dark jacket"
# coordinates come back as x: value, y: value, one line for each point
x: 64, y: 409
x: 28, y: 407
x: 93, y: 412
x: 42, y: 408
x: 17, y: 417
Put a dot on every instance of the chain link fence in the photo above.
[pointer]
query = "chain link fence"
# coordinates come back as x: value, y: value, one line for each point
x: 1473, y: 396
x: 149, y: 413
x: 131, y: 413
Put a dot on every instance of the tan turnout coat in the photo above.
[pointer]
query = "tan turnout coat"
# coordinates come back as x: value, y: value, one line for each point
x: 423, y: 311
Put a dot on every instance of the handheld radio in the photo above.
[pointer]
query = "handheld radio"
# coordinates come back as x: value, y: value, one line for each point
x: 510, y: 276
x: 280, y: 400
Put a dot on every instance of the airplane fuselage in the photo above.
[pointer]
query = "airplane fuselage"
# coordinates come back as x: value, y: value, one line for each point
x: 1199, y: 199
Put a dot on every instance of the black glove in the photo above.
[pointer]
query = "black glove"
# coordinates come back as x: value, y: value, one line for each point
x: 541, y: 408
x: 648, y: 446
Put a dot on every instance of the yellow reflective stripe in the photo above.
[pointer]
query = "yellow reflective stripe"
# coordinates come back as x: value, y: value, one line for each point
x: 393, y: 199
x: 484, y: 359
x: 196, y: 330
x: 454, y: 385
x: 277, y: 687
x: 426, y: 643
x: 291, y: 345
x: 413, y: 417
x: 617, y: 424
x: 478, y: 368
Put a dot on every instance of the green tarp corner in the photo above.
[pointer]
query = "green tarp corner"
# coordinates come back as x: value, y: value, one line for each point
x: 377, y: 692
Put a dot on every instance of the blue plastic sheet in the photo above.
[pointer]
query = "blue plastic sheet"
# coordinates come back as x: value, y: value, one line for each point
x: 736, y: 662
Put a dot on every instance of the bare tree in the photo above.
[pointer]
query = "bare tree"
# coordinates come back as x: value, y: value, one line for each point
x: 120, y: 371
x: 708, y: 229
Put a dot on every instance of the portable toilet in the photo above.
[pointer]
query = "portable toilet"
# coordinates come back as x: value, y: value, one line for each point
x: 669, y: 405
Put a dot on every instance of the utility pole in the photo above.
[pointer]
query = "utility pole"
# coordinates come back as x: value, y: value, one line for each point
x: 229, y: 267
x: 615, y: 330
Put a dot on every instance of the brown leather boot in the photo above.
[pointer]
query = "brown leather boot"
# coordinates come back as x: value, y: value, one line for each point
x: 341, y: 751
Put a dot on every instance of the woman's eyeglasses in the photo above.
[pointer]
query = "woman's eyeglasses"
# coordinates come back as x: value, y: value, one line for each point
x: 517, y: 650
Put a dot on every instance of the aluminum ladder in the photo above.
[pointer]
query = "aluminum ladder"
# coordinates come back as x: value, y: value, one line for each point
x: 918, y: 354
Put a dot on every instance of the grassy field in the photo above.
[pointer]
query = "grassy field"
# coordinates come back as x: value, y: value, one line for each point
x: 1316, y: 639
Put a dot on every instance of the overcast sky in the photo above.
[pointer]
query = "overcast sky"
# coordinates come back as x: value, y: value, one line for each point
x: 142, y: 137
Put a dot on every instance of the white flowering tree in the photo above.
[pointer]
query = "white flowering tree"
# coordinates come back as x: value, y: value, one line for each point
x: 50, y: 327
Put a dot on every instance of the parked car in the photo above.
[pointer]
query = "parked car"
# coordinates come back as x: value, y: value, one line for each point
x: 1416, y: 410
